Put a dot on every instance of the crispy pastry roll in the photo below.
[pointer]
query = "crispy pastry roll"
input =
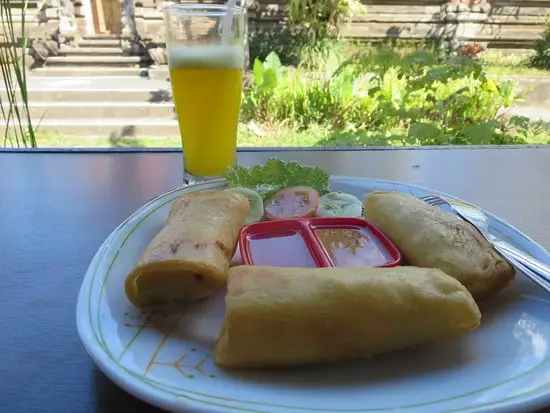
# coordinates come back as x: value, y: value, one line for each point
x: 430, y: 237
x: 279, y: 316
x: 189, y: 258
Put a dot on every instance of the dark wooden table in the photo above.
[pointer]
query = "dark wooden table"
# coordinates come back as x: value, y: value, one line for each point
x: 57, y: 208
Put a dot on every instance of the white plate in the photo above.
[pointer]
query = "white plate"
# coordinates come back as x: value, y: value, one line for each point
x: 166, y: 360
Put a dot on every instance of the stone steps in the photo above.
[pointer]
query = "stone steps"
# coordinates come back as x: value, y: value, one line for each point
x: 105, y: 128
x: 109, y: 61
x: 159, y: 73
x: 90, y: 51
x: 92, y: 71
x: 96, y: 41
x: 101, y: 110
x: 17, y: 15
x: 101, y: 36
x: 101, y: 95
x: 96, y: 89
x: 101, y: 106
x: 20, y: 4
x: 101, y: 51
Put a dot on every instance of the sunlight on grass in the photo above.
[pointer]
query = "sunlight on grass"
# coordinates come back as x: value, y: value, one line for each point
x: 262, y: 136
x: 517, y: 63
x: 271, y: 137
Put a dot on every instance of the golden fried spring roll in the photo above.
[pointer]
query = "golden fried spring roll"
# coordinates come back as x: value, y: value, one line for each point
x: 430, y: 237
x: 189, y: 258
x: 279, y: 316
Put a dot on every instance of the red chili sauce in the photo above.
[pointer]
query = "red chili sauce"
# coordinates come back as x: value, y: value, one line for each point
x: 285, y: 248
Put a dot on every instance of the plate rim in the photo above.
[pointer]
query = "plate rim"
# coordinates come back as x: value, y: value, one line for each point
x: 159, y: 397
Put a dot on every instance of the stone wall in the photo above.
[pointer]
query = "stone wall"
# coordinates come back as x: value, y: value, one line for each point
x: 498, y: 23
x: 38, y: 22
x: 150, y: 28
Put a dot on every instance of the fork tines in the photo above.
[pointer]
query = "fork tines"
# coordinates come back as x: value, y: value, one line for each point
x: 433, y: 199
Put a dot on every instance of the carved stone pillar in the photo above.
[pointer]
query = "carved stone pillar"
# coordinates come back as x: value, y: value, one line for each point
x: 157, y: 45
x: 67, y: 22
x: 127, y: 17
x: 463, y: 21
x: 130, y: 38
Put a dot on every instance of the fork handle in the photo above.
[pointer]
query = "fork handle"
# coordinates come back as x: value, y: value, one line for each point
x: 532, y: 275
x: 528, y: 261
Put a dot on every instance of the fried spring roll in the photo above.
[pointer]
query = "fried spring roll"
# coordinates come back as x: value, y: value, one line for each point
x: 189, y: 258
x: 295, y: 316
x: 430, y: 237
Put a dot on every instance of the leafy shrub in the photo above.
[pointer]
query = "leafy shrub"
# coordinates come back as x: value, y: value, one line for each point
x: 314, y: 55
x: 286, y: 42
x: 322, y: 18
x: 516, y: 130
x: 519, y: 129
x: 307, y: 34
x: 541, y: 59
x: 294, y: 47
x: 419, y: 97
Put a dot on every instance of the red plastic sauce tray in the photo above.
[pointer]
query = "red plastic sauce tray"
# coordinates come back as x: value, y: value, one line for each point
x: 317, y: 242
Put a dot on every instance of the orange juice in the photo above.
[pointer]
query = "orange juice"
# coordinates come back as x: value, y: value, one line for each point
x: 207, y: 86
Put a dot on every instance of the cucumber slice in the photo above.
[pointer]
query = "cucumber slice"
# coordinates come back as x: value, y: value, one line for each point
x: 256, y: 203
x: 340, y: 204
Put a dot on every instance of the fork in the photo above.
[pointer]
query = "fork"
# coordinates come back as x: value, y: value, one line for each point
x: 534, y: 269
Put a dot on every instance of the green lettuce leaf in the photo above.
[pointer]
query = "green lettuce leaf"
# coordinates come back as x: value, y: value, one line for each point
x: 277, y: 174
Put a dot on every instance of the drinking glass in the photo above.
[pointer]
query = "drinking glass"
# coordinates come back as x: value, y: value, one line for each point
x: 205, y: 48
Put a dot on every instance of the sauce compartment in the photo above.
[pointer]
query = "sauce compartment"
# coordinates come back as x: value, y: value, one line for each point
x: 317, y: 242
x: 285, y: 243
x: 354, y: 242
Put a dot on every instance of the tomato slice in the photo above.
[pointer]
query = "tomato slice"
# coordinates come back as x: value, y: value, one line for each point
x: 288, y: 203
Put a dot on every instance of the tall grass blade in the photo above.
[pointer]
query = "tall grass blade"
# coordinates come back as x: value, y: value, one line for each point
x: 19, y: 130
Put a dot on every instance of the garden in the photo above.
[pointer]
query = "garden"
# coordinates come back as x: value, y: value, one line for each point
x: 337, y: 92
x: 307, y: 86
x: 357, y: 95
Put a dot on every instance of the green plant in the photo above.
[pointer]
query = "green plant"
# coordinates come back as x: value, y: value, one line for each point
x: 322, y: 18
x: 294, y: 47
x: 416, y: 97
x: 285, y: 41
x: 521, y: 130
x: 19, y: 130
x: 541, y: 59
x: 265, y: 78
x: 314, y: 55
x: 306, y: 45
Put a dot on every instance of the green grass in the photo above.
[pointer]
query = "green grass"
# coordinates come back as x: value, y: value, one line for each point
x: 266, y: 136
x: 496, y: 62
x: 281, y: 136
x: 57, y: 140
x: 263, y: 136
x: 518, y: 70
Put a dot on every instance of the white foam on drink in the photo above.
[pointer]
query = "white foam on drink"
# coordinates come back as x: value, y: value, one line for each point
x: 216, y: 56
